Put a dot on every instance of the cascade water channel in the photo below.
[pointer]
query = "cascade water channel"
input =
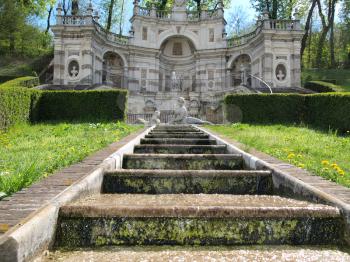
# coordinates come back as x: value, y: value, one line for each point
x: 182, y: 197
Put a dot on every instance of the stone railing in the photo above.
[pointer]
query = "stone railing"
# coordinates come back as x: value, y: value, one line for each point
x: 115, y: 38
x: 88, y: 20
x: 74, y: 20
x: 167, y: 15
x: 244, y: 39
x: 282, y: 25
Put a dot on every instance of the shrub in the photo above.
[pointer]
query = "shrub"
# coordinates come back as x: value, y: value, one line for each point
x: 322, y: 87
x: 15, y: 106
x: 325, y: 111
x: 26, y: 81
x: 80, y: 105
x: 5, y: 78
x: 264, y: 108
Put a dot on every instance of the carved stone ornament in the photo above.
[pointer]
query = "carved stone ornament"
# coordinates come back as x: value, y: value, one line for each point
x: 73, y: 69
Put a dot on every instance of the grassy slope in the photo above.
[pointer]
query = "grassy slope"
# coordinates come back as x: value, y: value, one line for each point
x: 30, y: 152
x: 323, y: 154
x: 341, y: 75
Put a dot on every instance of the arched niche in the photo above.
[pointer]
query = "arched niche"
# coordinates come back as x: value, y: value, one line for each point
x: 113, y: 69
x: 177, y: 65
x: 241, y: 70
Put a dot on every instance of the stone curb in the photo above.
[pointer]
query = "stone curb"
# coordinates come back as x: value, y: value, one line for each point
x: 284, y: 178
x: 36, y: 232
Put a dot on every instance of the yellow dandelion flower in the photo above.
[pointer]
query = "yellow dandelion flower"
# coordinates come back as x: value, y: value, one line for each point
x: 301, y: 165
x: 325, y: 162
x: 341, y: 172
x: 291, y: 155
x: 334, y: 166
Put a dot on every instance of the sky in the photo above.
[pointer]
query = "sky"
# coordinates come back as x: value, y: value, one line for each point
x: 236, y: 4
x: 242, y: 7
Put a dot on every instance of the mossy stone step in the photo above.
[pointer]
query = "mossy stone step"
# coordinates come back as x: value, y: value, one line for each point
x: 178, y: 141
x: 183, y: 162
x: 176, y: 219
x: 188, y: 182
x: 175, y: 127
x: 180, y: 149
x: 177, y: 135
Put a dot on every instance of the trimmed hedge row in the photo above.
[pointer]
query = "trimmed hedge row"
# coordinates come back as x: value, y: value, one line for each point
x: 321, y: 86
x: 81, y: 105
x: 18, y: 105
x: 26, y: 81
x: 329, y: 111
x: 319, y: 110
x: 15, y: 106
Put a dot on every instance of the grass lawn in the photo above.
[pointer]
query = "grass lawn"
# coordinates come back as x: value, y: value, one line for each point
x: 341, y: 75
x: 324, y: 154
x: 30, y: 152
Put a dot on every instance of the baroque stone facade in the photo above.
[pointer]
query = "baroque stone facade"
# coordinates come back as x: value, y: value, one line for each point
x: 176, y: 53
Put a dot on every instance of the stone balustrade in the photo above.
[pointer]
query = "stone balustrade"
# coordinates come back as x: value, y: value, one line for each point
x: 168, y: 15
x: 269, y: 24
x: 282, y: 25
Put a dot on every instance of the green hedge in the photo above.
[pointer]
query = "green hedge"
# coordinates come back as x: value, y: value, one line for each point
x: 264, y: 108
x: 15, y: 106
x: 325, y: 111
x: 26, y: 81
x: 81, y: 105
x: 18, y: 105
x: 322, y: 86
x: 329, y: 111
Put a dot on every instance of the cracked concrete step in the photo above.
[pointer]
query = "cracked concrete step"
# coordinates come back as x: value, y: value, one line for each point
x: 195, y: 253
x: 177, y: 219
x: 183, y: 161
x: 177, y: 141
x: 238, y: 182
x: 177, y: 135
x: 180, y: 149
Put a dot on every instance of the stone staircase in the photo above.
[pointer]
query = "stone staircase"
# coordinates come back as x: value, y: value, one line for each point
x: 181, y: 188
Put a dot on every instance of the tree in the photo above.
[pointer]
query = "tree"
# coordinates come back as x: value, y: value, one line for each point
x: 308, y: 27
x: 327, y: 21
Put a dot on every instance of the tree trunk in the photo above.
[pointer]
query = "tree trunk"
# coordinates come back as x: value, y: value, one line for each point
x: 274, y: 9
x: 307, y: 28
x: 325, y: 27
x: 121, y: 19
x: 48, y: 20
x: 110, y: 14
x: 331, y: 39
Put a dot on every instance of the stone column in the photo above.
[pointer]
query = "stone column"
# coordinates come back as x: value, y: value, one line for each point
x: 267, y: 67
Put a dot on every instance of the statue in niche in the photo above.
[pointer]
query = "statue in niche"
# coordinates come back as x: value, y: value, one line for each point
x: 75, y: 7
x: 73, y: 69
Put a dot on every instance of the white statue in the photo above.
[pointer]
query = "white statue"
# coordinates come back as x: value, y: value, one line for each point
x: 155, y: 120
x: 180, y: 113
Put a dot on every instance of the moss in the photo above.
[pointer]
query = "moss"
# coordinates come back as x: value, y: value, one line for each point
x: 187, y: 184
x: 195, y: 231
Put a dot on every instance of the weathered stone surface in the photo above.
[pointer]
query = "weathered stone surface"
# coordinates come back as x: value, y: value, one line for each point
x: 190, y: 254
x: 187, y: 182
x: 178, y: 141
x: 183, y: 162
x: 180, y: 149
